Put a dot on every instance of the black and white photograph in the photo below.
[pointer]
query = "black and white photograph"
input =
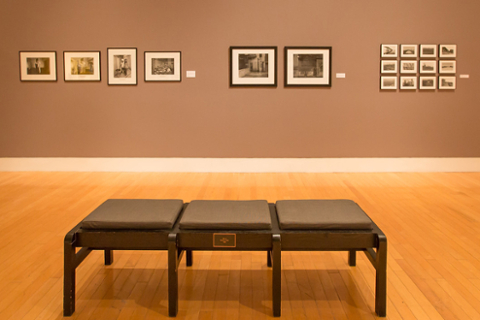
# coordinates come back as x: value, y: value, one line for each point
x: 408, y: 51
x: 308, y: 66
x: 389, y: 50
x: 408, y: 66
x: 428, y: 51
x: 447, y: 66
x: 408, y: 83
x: 38, y: 65
x: 163, y: 66
x: 81, y: 65
x: 389, y: 66
x: 388, y: 83
x: 428, y: 66
x: 448, y: 83
x: 447, y: 51
x: 253, y: 66
x: 428, y: 83
x: 122, y: 66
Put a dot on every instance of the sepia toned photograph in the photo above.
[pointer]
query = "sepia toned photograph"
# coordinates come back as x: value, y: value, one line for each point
x: 428, y: 83
x: 38, y: 66
x: 389, y: 50
x: 408, y: 66
x: 448, y: 83
x: 408, y: 51
x: 389, y: 66
x: 428, y: 51
x: 308, y: 66
x: 447, y: 66
x: 388, y: 83
x: 408, y: 83
x: 428, y: 66
x: 81, y: 65
x: 162, y: 66
x: 447, y: 51
x: 122, y: 66
x: 253, y: 66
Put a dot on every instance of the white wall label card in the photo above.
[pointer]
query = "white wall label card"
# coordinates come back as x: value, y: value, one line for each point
x: 464, y: 76
x: 340, y: 75
x: 190, y: 74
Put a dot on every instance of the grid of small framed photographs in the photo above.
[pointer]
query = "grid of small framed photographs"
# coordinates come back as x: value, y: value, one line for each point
x: 413, y: 66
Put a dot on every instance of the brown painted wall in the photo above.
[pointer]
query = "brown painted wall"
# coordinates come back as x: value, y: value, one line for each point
x: 203, y: 117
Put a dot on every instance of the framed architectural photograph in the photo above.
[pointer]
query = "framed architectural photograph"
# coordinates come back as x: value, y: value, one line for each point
x: 428, y: 83
x: 408, y: 51
x: 428, y: 66
x: 308, y: 66
x: 408, y: 83
x: 253, y: 66
x: 428, y: 51
x: 122, y: 66
x: 448, y: 83
x: 81, y: 65
x: 38, y: 65
x: 388, y: 83
x: 408, y: 66
x: 389, y: 66
x: 163, y: 66
x: 389, y: 51
x: 447, y: 50
x: 447, y: 66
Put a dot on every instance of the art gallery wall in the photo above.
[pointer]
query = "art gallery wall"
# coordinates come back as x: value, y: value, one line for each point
x: 203, y: 116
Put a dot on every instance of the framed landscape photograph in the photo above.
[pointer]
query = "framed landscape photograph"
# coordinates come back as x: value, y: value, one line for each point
x: 389, y: 66
x: 308, y: 66
x: 253, y: 66
x: 408, y: 66
x: 122, y: 66
x: 163, y: 66
x: 408, y: 51
x: 428, y: 66
x: 447, y: 51
x: 447, y: 66
x: 408, y: 83
x: 389, y: 51
x: 388, y: 83
x: 38, y: 65
x: 428, y: 51
x: 448, y: 83
x: 81, y: 65
x: 428, y: 83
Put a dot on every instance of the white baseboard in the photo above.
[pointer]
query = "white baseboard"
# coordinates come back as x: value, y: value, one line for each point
x: 242, y: 164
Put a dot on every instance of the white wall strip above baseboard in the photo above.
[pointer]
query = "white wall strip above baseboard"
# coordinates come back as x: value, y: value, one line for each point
x: 242, y: 164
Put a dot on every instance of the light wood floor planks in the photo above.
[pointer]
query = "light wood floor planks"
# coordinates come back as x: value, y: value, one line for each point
x: 432, y: 222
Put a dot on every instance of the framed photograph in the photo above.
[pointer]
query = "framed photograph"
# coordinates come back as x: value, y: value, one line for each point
x: 122, y: 66
x: 308, y: 66
x: 388, y: 83
x: 447, y: 66
x: 163, y: 66
x: 389, y: 66
x: 447, y: 50
x: 408, y: 66
x: 38, y: 66
x: 448, y: 83
x: 389, y: 51
x: 81, y: 65
x: 408, y: 51
x: 428, y: 66
x: 428, y: 51
x: 408, y: 83
x: 428, y: 83
x: 253, y: 66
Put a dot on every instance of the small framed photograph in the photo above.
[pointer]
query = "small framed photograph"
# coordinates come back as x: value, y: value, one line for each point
x: 308, y: 66
x: 428, y: 83
x: 408, y: 51
x: 389, y: 51
x: 163, y: 66
x: 428, y: 51
x: 428, y: 66
x: 408, y: 83
x: 389, y: 66
x: 122, y: 66
x: 448, y: 83
x: 253, y: 66
x: 38, y: 66
x: 81, y: 65
x: 388, y: 83
x: 447, y: 66
x: 408, y: 66
x: 447, y: 50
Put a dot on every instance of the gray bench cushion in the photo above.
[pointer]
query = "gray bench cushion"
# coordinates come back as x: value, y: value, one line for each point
x: 135, y: 214
x: 226, y: 215
x: 321, y: 215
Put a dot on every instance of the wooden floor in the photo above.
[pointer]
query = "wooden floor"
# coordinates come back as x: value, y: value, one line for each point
x: 432, y: 222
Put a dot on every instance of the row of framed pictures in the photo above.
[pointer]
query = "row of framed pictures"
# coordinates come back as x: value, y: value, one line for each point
x: 427, y: 51
x: 85, y: 66
x: 424, y: 82
x: 422, y: 66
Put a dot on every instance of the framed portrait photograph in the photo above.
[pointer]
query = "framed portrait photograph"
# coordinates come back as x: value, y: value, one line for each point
x: 388, y: 83
x: 163, y: 66
x: 428, y: 66
x: 408, y: 66
x: 388, y: 66
x: 408, y: 51
x: 447, y: 66
x: 448, y: 83
x: 38, y: 65
x: 122, y: 66
x: 428, y: 51
x: 389, y: 50
x: 308, y: 66
x: 428, y: 83
x: 408, y: 83
x: 253, y: 66
x: 447, y: 51
x: 81, y: 65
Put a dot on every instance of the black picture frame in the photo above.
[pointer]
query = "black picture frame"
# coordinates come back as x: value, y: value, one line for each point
x: 308, y: 66
x: 96, y: 76
x: 114, y: 72
x: 27, y: 73
x: 176, y: 67
x: 252, y: 66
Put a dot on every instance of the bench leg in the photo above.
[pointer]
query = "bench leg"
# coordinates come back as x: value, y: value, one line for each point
x: 277, y: 275
x: 189, y: 258
x: 108, y: 257
x: 381, y: 277
x: 352, y: 258
x: 68, y: 279
x: 172, y: 275
x: 269, y: 258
